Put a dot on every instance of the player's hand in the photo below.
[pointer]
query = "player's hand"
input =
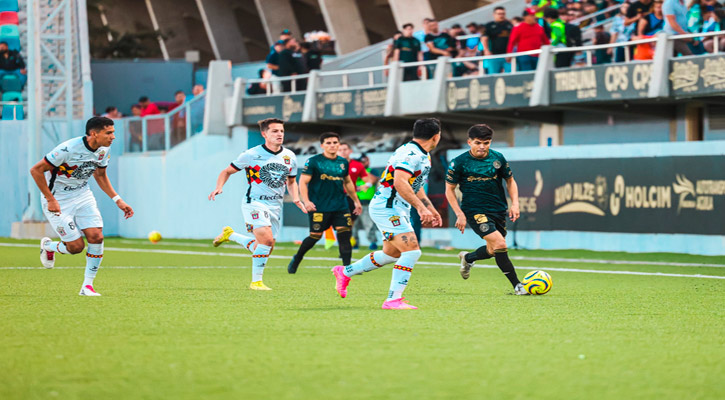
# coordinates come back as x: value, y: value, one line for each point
x: 514, y: 212
x: 127, y: 210
x: 213, y: 194
x: 437, y: 219
x: 426, y: 217
x: 53, y: 206
x: 461, y: 222
x: 309, y: 206
x: 301, y: 206
x: 358, y: 209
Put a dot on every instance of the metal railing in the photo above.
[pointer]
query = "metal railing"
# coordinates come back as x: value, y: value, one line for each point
x: 590, y: 48
x: 163, y: 131
x: 276, y: 84
x: 480, y: 60
x: 345, y: 74
x: 700, y: 37
x: 594, y: 15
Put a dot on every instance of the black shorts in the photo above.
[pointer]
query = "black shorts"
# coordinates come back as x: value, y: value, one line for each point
x: 485, y: 224
x: 351, y: 205
x: 320, y: 221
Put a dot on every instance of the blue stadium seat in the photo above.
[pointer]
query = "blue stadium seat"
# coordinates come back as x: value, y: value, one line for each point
x: 10, y: 35
x: 12, y: 96
x: 13, y: 111
x: 9, y: 5
x: 11, y: 83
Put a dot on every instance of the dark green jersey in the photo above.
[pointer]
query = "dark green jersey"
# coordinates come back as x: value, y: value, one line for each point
x: 409, y: 48
x: 481, y: 182
x: 326, y: 186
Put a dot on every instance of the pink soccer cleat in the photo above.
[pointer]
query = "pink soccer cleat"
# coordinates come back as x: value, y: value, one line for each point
x: 342, y: 281
x: 87, y: 290
x: 398, y: 304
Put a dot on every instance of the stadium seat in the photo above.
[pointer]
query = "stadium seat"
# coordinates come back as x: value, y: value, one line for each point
x: 8, y: 18
x: 9, y: 5
x: 10, y: 35
x: 12, y: 96
x: 11, y: 83
x: 13, y: 111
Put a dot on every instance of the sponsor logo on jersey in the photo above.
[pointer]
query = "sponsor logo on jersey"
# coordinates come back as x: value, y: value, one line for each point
x: 317, y: 217
x: 480, y: 218
x: 395, y: 220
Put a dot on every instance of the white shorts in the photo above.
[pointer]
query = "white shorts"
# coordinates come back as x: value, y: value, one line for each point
x: 391, y: 221
x: 76, y: 213
x: 258, y: 215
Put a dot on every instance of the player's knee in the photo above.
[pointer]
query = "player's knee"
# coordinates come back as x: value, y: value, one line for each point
x: 75, y: 247
x: 501, y: 248
x: 95, y: 238
x: 412, y: 256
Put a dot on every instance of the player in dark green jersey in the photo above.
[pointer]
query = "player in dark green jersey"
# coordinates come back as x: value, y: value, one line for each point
x: 324, y: 188
x: 480, y: 173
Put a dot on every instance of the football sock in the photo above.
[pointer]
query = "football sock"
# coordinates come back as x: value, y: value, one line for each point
x: 246, y: 241
x: 368, y: 263
x: 343, y: 239
x: 94, y: 256
x: 58, y: 247
x: 505, y: 265
x: 401, y: 273
x: 259, y: 260
x: 480, y: 253
x: 306, y: 245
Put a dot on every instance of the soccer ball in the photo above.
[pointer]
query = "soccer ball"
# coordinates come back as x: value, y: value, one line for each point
x: 154, y: 237
x: 537, y: 282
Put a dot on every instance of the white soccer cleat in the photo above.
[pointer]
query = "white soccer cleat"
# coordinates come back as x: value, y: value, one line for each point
x: 465, y: 266
x: 47, y: 258
x: 519, y: 290
x: 87, y: 290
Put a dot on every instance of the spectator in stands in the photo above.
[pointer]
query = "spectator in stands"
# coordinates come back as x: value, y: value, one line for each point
x: 525, y: 37
x: 472, y: 44
x: 439, y: 43
x: 12, y: 63
x: 311, y: 58
x: 496, y: 35
x: 259, y: 87
x: 408, y: 49
x: 573, y: 38
x: 589, y: 7
x: 516, y: 21
x: 620, y: 33
x: 675, y: 12
x: 389, y: 53
x: 653, y: 22
x: 637, y: 11
x: 712, y: 22
x: 112, y: 113
x: 286, y: 34
x: 178, y: 120
x: 147, y: 107
x: 557, y: 35
x: 135, y: 141
x: 179, y: 99
x: 288, y: 66
x: 197, y: 110
x: 544, y: 4
x: 602, y: 56
x: 455, y: 32
x: 273, y: 57
x: 421, y: 34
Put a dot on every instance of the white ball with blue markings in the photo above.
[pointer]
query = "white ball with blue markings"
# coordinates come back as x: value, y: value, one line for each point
x: 537, y: 282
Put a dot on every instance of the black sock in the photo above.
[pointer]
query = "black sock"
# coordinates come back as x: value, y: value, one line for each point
x: 306, y: 245
x: 343, y: 238
x: 505, y: 265
x: 480, y: 253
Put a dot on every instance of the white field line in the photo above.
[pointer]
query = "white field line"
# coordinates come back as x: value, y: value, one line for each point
x: 198, y: 253
x: 419, y: 265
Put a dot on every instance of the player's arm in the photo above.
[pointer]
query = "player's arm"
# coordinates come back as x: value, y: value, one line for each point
x: 453, y: 202
x: 105, y: 184
x: 350, y: 190
x: 294, y: 192
x: 222, y: 179
x: 513, y: 190
x: 403, y: 188
x: 304, y: 195
x: 437, y: 220
x: 38, y: 173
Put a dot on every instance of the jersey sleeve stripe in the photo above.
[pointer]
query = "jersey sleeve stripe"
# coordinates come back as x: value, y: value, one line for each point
x: 235, y: 167
x: 48, y: 161
x: 403, y: 169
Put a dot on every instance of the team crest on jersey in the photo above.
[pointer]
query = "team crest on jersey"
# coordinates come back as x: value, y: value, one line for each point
x: 497, y: 164
x: 61, y: 231
x: 342, y: 166
x: 395, y: 220
x: 250, y: 228
x: 255, y: 215
x: 287, y: 160
x: 66, y: 170
x: 101, y: 155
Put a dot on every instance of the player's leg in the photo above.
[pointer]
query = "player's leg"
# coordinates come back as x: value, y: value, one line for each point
x: 482, y: 227
x: 407, y: 245
x: 70, y: 237
x: 265, y: 241
x: 228, y: 234
x: 497, y: 242
x: 89, y: 221
x: 342, y: 221
x: 319, y: 222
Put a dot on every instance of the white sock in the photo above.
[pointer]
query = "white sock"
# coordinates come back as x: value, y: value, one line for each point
x: 94, y: 256
x: 58, y: 247
x: 246, y: 241
x: 368, y: 263
x: 259, y: 260
x: 401, y: 273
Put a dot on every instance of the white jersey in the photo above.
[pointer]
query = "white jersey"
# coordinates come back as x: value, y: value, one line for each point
x: 267, y: 173
x: 74, y: 162
x: 411, y: 158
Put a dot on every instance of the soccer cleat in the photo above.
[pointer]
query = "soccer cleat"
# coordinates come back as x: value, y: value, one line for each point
x: 223, y: 237
x: 398, y: 304
x: 292, y: 266
x: 519, y: 290
x: 341, y: 281
x: 259, y: 285
x: 465, y: 266
x: 88, y: 291
x: 47, y: 258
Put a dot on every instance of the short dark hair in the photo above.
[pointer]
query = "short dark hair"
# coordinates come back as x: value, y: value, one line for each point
x: 261, y: 72
x: 480, y: 131
x: 345, y: 144
x: 135, y: 106
x: 4, y: 42
x: 499, y: 8
x: 178, y: 91
x: 328, y: 135
x: 551, y: 13
x: 456, y: 26
x: 428, y: 20
x: 407, y: 25
x: 110, y: 108
x: 97, y: 123
x: 426, y: 128
x: 517, y: 19
x: 143, y: 99
x: 265, y: 123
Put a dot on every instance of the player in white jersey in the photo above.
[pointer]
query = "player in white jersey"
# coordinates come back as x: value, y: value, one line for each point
x: 68, y: 203
x: 270, y: 168
x: 400, y: 188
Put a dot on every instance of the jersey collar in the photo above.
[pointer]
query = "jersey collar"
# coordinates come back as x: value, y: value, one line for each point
x: 85, y: 143
x: 419, y: 146
x: 273, y: 152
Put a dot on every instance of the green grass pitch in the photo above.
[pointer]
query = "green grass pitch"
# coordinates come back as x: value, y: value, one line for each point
x: 176, y: 321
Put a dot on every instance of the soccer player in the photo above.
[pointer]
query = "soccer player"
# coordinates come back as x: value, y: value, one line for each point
x: 324, y: 187
x: 269, y: 168
x: 480, y: 173
x: 68, y: 203
x: 401, y: 187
